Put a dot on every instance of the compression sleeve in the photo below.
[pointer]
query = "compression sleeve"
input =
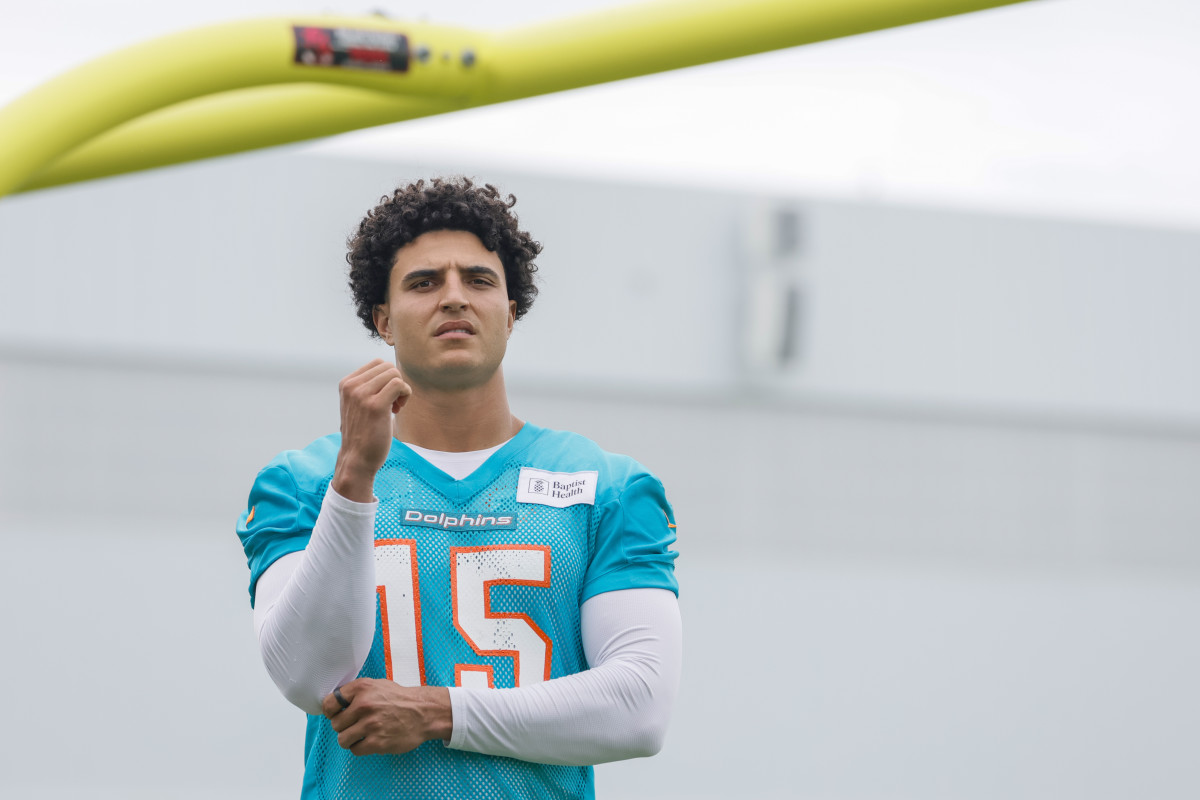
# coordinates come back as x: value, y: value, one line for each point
x: 315, y: 609
x: 617, y: 709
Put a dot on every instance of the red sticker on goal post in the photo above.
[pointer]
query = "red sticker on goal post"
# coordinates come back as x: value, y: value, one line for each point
x: 351, y: 48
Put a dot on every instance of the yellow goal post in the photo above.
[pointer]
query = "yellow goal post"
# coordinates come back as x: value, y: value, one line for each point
x: 245, y: 85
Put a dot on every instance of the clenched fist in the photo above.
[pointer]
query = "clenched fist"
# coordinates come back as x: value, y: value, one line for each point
x: 370, y: 396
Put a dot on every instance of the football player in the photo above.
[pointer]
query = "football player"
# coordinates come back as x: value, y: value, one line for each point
x: 465, y: 604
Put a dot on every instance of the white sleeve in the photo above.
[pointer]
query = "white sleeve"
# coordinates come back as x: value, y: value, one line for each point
x: 617, y: 709
x: 314, y: 610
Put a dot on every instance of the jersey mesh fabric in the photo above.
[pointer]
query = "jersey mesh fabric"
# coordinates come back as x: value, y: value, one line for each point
x: 587, y: 555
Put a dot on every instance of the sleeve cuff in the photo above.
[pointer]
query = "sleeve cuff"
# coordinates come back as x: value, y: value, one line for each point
x: 458, y: 718
x: 335, y: 500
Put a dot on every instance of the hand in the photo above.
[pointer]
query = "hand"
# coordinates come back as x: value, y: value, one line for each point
x: 369, y: 397
x: 385, y: 717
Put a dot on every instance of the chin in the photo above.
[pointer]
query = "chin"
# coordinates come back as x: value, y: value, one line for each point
x: 451, y: 376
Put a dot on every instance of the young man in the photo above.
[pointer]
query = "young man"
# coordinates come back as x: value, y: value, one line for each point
x: 466, y: 605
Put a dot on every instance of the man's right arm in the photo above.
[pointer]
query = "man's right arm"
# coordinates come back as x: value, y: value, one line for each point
x: 315, y: 609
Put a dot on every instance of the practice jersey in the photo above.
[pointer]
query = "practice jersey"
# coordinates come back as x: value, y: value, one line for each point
x: 479, y: 584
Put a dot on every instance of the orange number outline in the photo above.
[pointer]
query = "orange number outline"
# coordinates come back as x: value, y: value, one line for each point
x: 381, y: 593
x: 515, y: 655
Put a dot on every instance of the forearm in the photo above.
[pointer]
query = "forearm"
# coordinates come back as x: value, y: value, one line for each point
x: 617, y: 709
x: 315, y: 610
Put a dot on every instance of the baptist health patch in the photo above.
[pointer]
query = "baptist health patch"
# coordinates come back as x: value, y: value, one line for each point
x: 558, y: 489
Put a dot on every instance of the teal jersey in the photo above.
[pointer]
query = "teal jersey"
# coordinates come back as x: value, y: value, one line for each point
x: 479, y: 583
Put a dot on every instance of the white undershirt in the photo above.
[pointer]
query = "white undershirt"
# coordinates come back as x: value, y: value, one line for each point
x: 456, y: 465
x: 315, y: 618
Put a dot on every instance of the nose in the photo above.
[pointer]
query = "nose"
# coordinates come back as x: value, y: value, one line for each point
x: 454, y: 294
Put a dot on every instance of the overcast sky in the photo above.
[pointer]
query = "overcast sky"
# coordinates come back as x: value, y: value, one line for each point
x: 1079, y: 108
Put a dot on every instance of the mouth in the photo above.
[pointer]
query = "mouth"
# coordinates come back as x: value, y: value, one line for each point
x: 455, y: 329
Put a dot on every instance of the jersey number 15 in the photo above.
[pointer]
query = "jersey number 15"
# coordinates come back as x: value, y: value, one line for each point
x: 473, y: 573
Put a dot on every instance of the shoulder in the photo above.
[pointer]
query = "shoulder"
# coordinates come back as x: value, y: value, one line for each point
x: 568, y: 452
x: 307, y: 469
x: 283, y: 504
x: 632, y: 526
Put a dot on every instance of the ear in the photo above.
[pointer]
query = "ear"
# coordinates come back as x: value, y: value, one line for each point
x: 512, y: 315
x: 383, y: 322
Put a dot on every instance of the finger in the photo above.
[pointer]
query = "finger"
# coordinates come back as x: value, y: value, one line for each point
x: 337, y: 703
x: 344, y: 718
x: 382, y: 382
x: 351, y: 736
x: 392, y: 395
x: 363, y: 374
x: 371, y: 366
x: 371, y: 391
x: 350, y: 691
x: 397, y: 390
x: 334, y: 703
x: 330, y: 707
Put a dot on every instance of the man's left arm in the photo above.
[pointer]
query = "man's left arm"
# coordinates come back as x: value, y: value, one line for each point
x: 617, y: 709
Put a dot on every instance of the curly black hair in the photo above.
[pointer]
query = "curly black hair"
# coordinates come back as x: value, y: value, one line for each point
x: 443, y: 204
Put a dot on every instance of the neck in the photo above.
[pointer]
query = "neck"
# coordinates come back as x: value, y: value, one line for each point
x: 457, y: 420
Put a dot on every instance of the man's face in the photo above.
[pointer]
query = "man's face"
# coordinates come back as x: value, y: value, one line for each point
x: 448, y: 314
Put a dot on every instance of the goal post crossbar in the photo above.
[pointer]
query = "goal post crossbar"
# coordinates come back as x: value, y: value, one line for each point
x: 244, y: 85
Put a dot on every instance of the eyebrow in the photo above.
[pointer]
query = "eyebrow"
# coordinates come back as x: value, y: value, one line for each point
x: 421, y: 274
x: 481, y: 270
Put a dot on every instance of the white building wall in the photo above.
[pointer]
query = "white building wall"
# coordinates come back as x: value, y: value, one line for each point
x: 914, y: 567
x: 643, y: 287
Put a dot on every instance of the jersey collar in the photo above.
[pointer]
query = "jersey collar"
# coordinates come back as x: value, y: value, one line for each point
x: 460, y: 491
